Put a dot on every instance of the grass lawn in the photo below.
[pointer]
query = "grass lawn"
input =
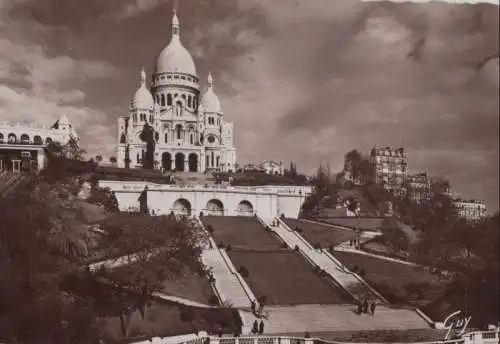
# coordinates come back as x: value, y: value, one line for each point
x: 285, y: 278
x: 399, y: 283
x: 165, y: 320
x: 244, y: 232
x: 319, y: 233
x: 192, y: 286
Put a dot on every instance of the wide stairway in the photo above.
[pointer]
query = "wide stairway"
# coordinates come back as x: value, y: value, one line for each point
x: 9, y: 181
x: 318, y: 318
x: 327, y: 317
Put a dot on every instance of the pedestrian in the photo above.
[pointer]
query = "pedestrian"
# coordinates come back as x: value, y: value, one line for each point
x: 261, y: 327
x: 255, y: 327
x: 365, y: 306
x: 253, y: 306
x: 360, y: 307
x: 372, y: 308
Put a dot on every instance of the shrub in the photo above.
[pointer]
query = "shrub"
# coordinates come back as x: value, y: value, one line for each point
x: 221, y: 244
x: 317, y: 246
x: 307, y: 335
x: 229, y: 248
x: 284, y: 245
x: 243, y: 271
x: 317, y: 269
x: 210, y: 229
x: 214, y: 301
x: 354, y: 268
x: 361, y: 273
x: 262, y: 299
x: 296, y: 248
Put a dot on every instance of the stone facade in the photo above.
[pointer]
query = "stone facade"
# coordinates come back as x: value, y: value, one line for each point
x: 390, y: 166
x: 190, y: 132
x: 266, y: 201
x: 470, y: 210
x: 22, y: 145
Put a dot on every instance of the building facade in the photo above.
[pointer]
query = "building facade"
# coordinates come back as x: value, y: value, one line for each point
x: 272, y: 167
x: 390, y: 168
x: 419, y: 187
x: 22, y: 145
x: 470, y: 210
x: 190, y: 131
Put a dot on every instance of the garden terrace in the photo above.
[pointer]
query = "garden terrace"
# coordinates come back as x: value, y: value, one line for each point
x: 167, y: 320
x: 399, y: 283
x: 240, y: 232
x: 285, y: 278
x: 317, y: 233
x: 192, y: 286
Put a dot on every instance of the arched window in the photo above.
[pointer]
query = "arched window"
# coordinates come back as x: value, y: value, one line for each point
x: 212, y: 159
x: 169, y: 99
x: 12, y: 138
x: 189, y: 101
x: 48, y: 140
x: 166, y: 138
x: 191, y: 139
x: 162, y: 100
x: 207, y: 161
x: 178, y: 130
x: 25, y: 138
x: 1, y: 138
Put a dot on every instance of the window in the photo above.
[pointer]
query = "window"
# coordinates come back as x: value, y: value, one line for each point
x: 178, y: 130
x: 134, y: 117
x: 169, y: 99
x: 162, y: 100
x: 189, y: 101
x: 191, y: 139
x: 211, y: 139
x: 151, y: 118
x: 166, y: 138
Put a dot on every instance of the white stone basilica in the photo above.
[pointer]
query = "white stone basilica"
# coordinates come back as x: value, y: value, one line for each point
x: 190, y: 135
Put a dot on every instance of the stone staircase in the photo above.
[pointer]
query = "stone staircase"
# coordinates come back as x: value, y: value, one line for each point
x: 317, y: 318
x: 327, y: 262
x: 193, y: 178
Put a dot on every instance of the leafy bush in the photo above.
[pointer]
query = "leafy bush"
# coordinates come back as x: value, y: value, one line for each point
x: 243, y: 271
x: 284, y: 245
x: 317, y: 246
x: 296, y: 248
x: 229, y: 248
x: 210, y: 229
x: 221, y: 244
x: 361, y: 273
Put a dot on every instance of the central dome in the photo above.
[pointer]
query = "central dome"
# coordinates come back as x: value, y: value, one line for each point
x: 174, y: 58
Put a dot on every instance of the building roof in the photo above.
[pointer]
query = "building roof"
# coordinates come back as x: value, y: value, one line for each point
x: 175, y: 58
x: 142, y: 98
x: 210, y: 102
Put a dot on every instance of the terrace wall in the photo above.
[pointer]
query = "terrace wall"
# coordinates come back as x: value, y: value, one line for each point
x: 267, y: 201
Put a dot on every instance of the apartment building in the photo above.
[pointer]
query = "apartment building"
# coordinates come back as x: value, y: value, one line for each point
x: 390, y: 168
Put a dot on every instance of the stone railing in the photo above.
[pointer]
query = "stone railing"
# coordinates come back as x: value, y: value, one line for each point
x: 138, y: 186
x: 479, y: 337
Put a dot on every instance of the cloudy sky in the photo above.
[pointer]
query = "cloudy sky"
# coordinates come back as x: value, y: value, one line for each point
x: 302, y: 80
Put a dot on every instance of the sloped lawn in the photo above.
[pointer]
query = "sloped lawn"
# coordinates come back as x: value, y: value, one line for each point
x: 285, y: 278
x: 316, y: 233
x: 399, y: 283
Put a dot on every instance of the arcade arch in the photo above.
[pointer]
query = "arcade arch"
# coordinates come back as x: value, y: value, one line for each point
x: 182, y: 207
x: 215, y: 207
x: 179, y: 162
x: 245, y: 208
x: 193, y: 162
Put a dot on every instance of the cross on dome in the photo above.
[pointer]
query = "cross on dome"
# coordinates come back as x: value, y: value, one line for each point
x: 143, y: 76
x: 175, y: 22
x: 210, y: 79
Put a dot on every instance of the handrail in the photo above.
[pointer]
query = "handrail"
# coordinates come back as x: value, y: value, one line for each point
x: 300, y: 237
x: 202, y: 336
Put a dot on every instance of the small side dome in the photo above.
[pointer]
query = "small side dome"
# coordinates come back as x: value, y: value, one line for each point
x: 142, y: 98
x: 210, y: 102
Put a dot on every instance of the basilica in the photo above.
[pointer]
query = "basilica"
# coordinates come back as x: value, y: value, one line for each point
x: 190, y: 132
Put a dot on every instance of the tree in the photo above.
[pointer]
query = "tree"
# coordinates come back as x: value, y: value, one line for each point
x: 113, y: 159
x: 393, y: 236
x: 156, y: 248
x: 40, y: 246
x: 148, y: 136
x: 98, y: 158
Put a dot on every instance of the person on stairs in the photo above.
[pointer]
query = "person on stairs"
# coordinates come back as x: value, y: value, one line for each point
x: 255, y: 327
x: 372, y: 308
x: 365, y: 306
x: 261, y: 327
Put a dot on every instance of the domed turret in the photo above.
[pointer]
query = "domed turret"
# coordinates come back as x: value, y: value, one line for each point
x: 142, y: 98
x: 210, y: 102
x: 174, y: 58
